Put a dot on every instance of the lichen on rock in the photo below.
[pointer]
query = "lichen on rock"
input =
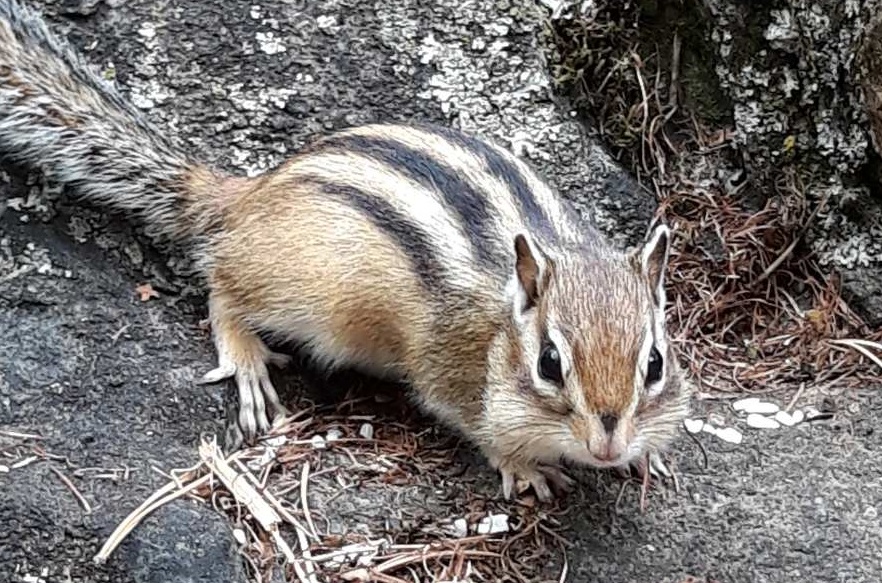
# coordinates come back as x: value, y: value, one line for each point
x: 787, y: 79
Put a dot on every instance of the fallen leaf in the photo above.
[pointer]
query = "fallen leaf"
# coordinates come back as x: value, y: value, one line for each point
x: 789, y: 143
x: 817, y: 319
x: 146, y: 292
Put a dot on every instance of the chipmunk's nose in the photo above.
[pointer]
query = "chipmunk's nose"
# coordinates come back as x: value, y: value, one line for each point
x: 607, y: 453
x: 609, y: 422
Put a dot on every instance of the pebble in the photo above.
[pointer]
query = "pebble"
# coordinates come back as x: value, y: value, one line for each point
x: 269, y: 43
x: 798, y: 416
x: 366, y: 431
x: 326, y: 21
x: 318, y: 442
x: 754, y: 405
x: 761, y: 422
x: 333, y: 435
x: 461, y: 527
x: 147, y: 30
x: 693, y: 425
x: 239, y: 535
x: 493, y: 524
x: 730, y: 435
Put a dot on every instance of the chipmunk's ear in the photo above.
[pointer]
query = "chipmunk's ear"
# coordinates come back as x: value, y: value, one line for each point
x: 530, y: 273
x: 652, y: 259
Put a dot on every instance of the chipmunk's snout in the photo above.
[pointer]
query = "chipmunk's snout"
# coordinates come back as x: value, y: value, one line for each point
x: 609, y: 440
x: 608, y: 450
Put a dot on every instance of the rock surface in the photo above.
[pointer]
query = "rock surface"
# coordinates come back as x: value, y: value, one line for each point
x: 791, y: 70
x: 107, y: 380
x: 794, y: 83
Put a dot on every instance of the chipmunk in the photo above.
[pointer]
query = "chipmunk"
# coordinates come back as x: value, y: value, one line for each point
x: 411, y: 251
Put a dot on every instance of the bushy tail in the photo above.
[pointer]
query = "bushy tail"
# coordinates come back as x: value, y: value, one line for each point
x: 58, y: 116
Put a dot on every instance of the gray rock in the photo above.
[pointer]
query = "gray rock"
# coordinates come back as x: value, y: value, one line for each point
x: 183, y: 543
x: 794, y: 80
x: 108, y: 380
x: 791, y: 69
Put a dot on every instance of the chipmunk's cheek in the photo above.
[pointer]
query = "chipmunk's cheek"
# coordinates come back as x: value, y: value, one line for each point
x: 580, y: 435
x: 632, y: 439
x: 580, y: 430
x: 629, y: 430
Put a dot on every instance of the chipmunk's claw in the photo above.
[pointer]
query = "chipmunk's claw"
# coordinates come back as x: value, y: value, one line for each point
x: 538, y: 477
x: 651, y: 466
x: 255, y: 390
x: 222, y: 372
x: 654, y: 465
x: 657, y: 466
x: 227, y: 369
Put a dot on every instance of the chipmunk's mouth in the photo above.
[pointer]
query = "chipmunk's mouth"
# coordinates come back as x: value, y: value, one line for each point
x: 632, y: 452
x: 586, y: 458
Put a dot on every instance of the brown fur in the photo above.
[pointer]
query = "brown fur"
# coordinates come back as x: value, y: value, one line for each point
x: 391, y: 248
x: 360, y: 304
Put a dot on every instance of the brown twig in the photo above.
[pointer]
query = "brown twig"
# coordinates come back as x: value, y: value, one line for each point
x: 73, y: 489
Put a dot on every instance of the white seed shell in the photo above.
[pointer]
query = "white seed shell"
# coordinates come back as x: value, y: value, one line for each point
x: 798, y: 416
x: 277, y: 441
x: 693, y: 425
x: 763, y: 408
x: 762, y: 422
x: 785, y: 418
x: 741, y: 404
x: 811, y: 412
x: 754, y: 405
x: 730, y: 434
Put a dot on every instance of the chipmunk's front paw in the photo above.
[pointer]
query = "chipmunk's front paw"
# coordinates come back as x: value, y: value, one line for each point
x: 658, y: 467
x: 652, y: 464
x: 538, y: 476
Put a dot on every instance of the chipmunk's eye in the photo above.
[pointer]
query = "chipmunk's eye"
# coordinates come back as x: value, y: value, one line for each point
x: 549, y: 363
x: 654, y: 369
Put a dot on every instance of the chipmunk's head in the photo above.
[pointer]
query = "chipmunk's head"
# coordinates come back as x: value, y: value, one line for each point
x: 595, y: 380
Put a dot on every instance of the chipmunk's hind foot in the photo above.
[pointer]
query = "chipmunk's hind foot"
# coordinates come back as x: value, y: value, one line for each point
x: 243, y: 356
